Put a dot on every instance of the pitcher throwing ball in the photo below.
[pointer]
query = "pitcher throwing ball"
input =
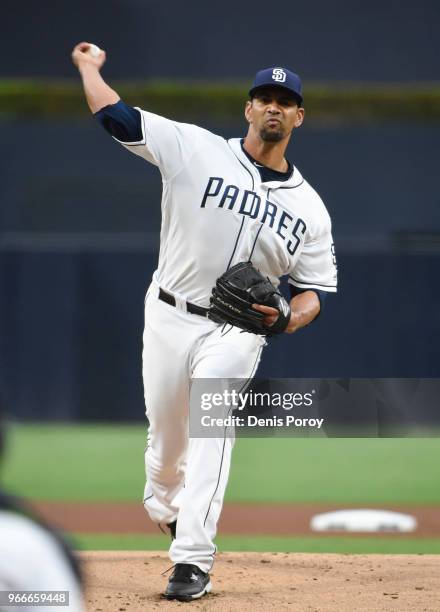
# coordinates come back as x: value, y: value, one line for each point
x: 236, y: 216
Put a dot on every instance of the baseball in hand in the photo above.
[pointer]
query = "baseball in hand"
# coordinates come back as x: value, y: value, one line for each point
x: 94, y: 50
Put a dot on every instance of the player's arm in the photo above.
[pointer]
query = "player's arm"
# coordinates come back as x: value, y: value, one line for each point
x: 304, y: 308
x: 165, y: 143
x: 98, y: 93
x: 117, y: 118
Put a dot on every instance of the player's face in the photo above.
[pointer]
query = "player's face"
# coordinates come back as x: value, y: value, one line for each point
x: 273, y: 113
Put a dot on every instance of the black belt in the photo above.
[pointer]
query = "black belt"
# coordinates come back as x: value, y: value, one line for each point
x: 192, y: 308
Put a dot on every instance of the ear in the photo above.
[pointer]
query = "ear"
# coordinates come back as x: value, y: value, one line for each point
x: 248, y: 111
x: 299, y: 117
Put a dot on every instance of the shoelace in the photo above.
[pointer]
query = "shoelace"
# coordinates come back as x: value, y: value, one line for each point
x: 182, y: 571
x: 167, y: 570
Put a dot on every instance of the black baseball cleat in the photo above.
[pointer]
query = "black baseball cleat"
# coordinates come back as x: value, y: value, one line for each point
x: 172, y: 527
x: 187, y: 582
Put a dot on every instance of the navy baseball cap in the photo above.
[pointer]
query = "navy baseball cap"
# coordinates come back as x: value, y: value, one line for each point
x: 278, y: 77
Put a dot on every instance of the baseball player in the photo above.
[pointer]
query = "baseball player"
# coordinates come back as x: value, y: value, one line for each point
x: 224, y: 202
x: 34, y: 557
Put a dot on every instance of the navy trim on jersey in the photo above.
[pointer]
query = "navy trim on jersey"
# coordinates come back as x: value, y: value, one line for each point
x: 141, y: 142
x: 305, y: 283
x: 242, y: 164
x: 236, y: 242
x: 292, y: 186
x: 242, y: 221
x: 255, y: 241
x: 235, y: 145
x: 268, y: 174
x: 250, y: 174
x: 121, y: 121
x: 254, y: 367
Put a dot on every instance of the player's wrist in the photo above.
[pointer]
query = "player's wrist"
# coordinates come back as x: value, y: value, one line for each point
x: 294, y: 322
x: 85, y: 67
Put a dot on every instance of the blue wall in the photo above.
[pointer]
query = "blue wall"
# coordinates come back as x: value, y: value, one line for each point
x: 376, y: 180
x: 395, y: 40
x: 79, y: 216
x: 71, y: 328
x: 80, y: 221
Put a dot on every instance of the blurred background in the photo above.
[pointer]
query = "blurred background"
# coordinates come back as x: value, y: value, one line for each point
x: 80, y: 216
x: 79, y: 236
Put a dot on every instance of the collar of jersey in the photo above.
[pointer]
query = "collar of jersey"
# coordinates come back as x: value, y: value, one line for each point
x: 294, y: 181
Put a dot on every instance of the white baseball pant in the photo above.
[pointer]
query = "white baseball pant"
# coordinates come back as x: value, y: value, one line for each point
x: 187, y: 477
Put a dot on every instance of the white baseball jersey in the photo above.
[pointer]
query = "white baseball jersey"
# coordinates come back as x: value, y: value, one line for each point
x: 31, y: 560
x: 217, y: 212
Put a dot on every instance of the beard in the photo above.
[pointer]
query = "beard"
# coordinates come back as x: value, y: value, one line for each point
x: 271, y: 135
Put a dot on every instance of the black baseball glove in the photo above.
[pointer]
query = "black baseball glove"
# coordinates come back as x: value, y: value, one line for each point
x: 234, y: 293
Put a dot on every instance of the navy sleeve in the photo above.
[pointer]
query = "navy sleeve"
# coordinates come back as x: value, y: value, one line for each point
x: 321, y: 296
x: 121, y: 121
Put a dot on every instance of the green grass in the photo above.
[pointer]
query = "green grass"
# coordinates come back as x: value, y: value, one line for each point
x: 63, y: 462
x: 105, y: 462
x: 347, y: 101
x: 318, y: 544
x: 344, y: 470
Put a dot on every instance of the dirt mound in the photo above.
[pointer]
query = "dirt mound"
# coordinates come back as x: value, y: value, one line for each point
x: 274, y: 519
x: 132, y: 581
